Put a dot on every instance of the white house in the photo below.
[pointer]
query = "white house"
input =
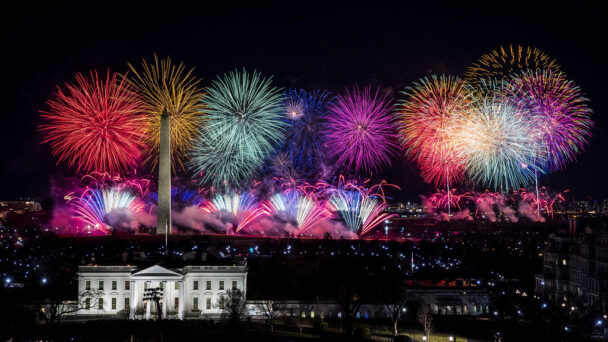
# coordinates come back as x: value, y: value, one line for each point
x: 191, y: 291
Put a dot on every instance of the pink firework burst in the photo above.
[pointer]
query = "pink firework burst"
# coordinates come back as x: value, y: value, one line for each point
x: 360, y: 132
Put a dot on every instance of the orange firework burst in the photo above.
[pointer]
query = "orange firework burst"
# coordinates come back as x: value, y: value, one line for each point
x: 166, y: 85
x: 506, y: 61
x: 427, y: 120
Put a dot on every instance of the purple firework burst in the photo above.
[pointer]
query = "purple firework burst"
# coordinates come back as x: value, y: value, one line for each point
x: 360, y: 132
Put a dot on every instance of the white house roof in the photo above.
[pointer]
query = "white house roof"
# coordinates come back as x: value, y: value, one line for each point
x: 156, y: 271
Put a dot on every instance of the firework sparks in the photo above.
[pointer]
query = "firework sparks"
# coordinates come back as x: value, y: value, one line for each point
x: 96, y: 125
x: 558, y: 111
x: 506, y: 61
x: 360, y: 131
x: 427, y: 122
x: 166, y: 85
x: 295, y: 206
x: 244, y: 125
x: 239, y: 209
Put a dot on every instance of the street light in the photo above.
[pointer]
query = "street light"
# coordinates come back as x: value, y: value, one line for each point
x: 423, y: 338
x: 451, y: 338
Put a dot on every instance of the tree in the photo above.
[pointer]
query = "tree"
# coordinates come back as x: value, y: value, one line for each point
x: 348, y: 299
x: 53, y: 308
x: 155, y: 295
x: 232, y: 304
x: 271, y: 310
x: 394, y: 311
x: 425, y: 317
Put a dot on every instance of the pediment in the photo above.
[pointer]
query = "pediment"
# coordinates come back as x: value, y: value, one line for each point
x: 156, y: 271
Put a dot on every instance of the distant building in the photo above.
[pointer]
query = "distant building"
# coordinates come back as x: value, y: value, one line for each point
x: 18, y: 207
x: 576, y: 265
x: 191, y: 291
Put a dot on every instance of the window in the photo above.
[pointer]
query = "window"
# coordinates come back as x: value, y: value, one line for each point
x: 176, y: 285
x: 127, y: 303
x: 234, y: 284
x: 114, y: 282
x: 303, y: 314
x: 564, y: 262
x: 221, y: 284
x: 195, y: 304
x: 101, y: 285
x: 162, y: 285
x: 176, y: 303
x: 87, y: 285
x: 127, y: 285
x: 312, y: 314
x: 113, y: 303
x: 100, y: 304
x: 208, y: 287
x: 195, y: 285
x: 87, y: 303
x: 146, y: 285
x: 208, y: 303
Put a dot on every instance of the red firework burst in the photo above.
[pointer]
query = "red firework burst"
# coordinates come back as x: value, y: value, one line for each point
x: 95, y: 125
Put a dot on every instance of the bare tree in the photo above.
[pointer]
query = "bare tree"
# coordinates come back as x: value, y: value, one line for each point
x: 232, y: 304
x: 53, y: 308
x: 394, y: 312
x: 348, y: 299
x: 271, y: 310
x: 425, y: 317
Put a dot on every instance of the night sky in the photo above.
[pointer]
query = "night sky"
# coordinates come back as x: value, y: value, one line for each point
x: 307, y: 47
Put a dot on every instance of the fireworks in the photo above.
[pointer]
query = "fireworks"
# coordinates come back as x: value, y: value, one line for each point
x: 506, y: 61
x: 293, y: 206
x: 95, y: 125
x: 427, y: 123
x: 239, y: 209
x: 94, y: 206
x: 559, y: 114
x: 360, y: 133
x: 360, y: 211
x: 244, y: 124
x: 497, y: 143
x: 166, y: 85
x: 303, y: 146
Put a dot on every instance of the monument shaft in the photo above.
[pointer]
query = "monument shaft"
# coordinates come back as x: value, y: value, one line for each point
x: 163, y: 219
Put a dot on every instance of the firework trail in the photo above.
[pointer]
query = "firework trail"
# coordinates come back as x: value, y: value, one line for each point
x: 166, y: 85
x: 94, y: 206
x: 510, y: 60
x: 360, y: 130
x: 558, y: 112
x: 303, y: 149
x: 96, y: 124
x: 304, y: 210
x: 244, y: 124
x: 427, y: 127
x: 239, y: 209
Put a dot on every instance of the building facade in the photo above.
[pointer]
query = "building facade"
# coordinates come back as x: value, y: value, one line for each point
x: 191, y: 291
x: 576, y: 265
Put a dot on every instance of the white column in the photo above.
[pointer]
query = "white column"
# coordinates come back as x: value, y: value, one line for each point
x: 180, y: 312
x: 165, y: 296
x: 133, y: 300
x: 148, y: 306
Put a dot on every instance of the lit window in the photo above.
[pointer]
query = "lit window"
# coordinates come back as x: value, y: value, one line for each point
x: 87, y: 285
x: 176, y: 285
x: 208, y: 287
x: 312, y: 314
x: 221, y: 284
x: 127, y: 303
x: 127, y: 285
x: 195, y: 285
x: 100, y: 304
x: 114, y: 285
x: 176, y: 303
x: 303, y: 314
x: 101, y: 285
x: 564, y: 262
x: 234, y: 284
x: 208, y: 303
x: 113, y: 303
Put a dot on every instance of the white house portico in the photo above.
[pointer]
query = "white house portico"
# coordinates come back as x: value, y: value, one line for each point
x: 191, y: 291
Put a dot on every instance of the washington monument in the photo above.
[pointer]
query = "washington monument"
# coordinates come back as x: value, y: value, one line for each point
x: 163, y: 214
